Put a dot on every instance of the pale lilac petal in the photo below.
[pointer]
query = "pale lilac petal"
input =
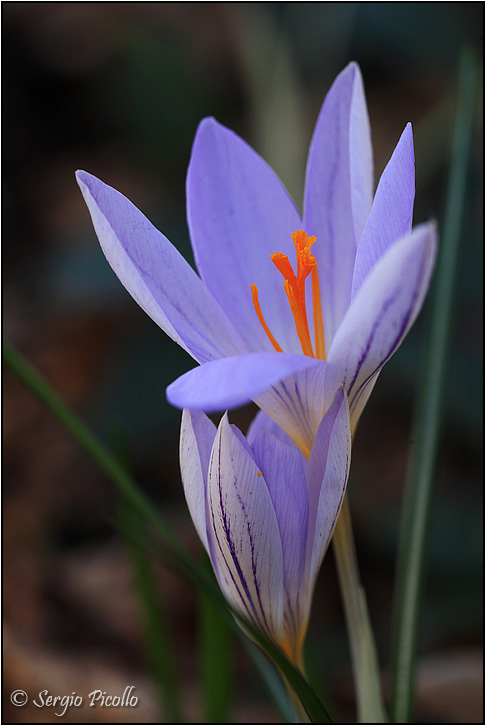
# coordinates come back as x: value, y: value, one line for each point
x: 296, y: 403
x: 283, y: 469
x: 263, y: 421
x: 380, y: 315
x: 233, y: 381
x: 197, y: 438
x: 157, y: 276
x: 243, y: 534
x: 339, y: 188
x: 392, y: 211
x: 326, y: 479
x: 239, y: 213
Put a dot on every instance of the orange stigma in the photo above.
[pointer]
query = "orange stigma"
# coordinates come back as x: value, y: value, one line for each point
x: 294, y: 286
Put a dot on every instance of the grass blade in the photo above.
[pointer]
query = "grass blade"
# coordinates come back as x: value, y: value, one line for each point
x: 158, y: 642
x: 112, y: 467
x: 272, y: 680
x: 429, y: 413
x: 216, y: 658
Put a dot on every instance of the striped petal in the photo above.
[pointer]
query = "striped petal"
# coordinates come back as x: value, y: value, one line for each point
x: 157, y: 276
x: 243, y: 533
x: 339, y: 188
x: 392, y: 211
x: 239, y: 213
x: 197, y: 438
x: 296, y: 403
x: 233, y: 381
x: 380, y: 316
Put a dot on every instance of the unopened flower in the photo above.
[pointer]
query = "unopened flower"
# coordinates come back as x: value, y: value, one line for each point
x: 287, y: 308
x: 264, y: 514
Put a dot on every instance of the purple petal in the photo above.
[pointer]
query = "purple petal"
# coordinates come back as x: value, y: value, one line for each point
x: 296, y: 404
x: 197, y: 437
x: 157, y: 276
x: 233, y: 381
x: 239, y: 213
x: 263, y: 421
x: 326, y: 479
x: 392, y: 211
x: 284, y: 473
x: 339, y: 188
x: 380, y: 315
x: 243, y: 534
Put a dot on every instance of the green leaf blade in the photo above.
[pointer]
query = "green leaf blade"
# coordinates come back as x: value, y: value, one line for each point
x: 415, y: 517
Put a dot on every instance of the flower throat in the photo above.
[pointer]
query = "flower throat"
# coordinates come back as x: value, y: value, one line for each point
x: 294, y: 286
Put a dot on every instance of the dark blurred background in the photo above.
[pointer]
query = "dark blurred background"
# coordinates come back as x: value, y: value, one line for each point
x: 118, y: 89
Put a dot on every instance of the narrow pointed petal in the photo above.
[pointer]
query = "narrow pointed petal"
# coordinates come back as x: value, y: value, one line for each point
x: 296, y: 404
x: 380, y: 315
x: 157, y: 276
x: 283, y: 468
x: 197, y: 438
x: 339, y: 188
x: 233, y: 381
x: 263, y: 421
x: 327, y: 478
x: 239, y: 213
x: 243, y: 534
x: 392, y: 211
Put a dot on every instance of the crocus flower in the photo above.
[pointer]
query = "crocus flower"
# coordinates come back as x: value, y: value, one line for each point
x: 269, y: 319
x: 264, y: 514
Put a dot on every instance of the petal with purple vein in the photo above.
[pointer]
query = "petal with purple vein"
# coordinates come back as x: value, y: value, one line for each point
x: 339, y: 188
x: 380, y: 316
x: 233, y: 381
x: 296, y: 403
x: 243, y: 534
x: 392, y: 211
x: 157, y: 276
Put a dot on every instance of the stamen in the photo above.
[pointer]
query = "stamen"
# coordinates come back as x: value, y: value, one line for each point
x: 294, y: 286
x: 283, y: 265
x: 300, y: 318
x: 254, y: 297
x: 318, y: 322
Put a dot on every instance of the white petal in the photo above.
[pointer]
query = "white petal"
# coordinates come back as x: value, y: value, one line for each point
x: 197, y: 437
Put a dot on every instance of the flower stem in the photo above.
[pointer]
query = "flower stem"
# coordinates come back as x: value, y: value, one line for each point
x: 363, y: 651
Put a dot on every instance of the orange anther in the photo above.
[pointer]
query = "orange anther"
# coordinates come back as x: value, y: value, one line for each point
x: 283, y: 265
